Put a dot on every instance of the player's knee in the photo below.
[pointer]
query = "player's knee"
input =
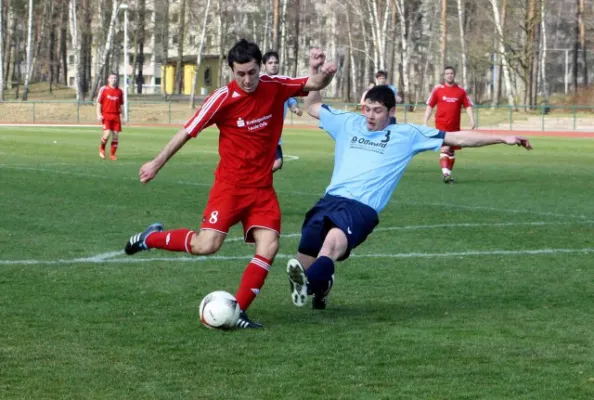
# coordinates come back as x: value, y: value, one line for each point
x: 278, y: 164
x: 268, y: 247
x: 203, y: 245
x: 335, y: 245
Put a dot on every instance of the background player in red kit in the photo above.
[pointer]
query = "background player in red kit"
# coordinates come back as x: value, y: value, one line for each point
x: 109, y: 107
x: 449, y: 98
x: 249, y: 115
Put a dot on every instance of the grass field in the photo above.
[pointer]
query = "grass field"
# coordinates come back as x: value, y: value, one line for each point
x: 478, y: 290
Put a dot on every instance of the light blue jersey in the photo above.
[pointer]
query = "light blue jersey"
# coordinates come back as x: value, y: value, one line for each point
x: 368, y: 165
x: 288, y: 104
x: 393, y: 89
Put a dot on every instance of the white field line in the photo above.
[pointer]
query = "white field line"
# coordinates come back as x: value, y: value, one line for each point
x: 319, y: 195
x: 101, y: 259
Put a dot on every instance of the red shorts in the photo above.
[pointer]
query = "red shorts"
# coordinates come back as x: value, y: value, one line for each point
x: 229, y: 204
x: 113, y: 124
x: 451, y: 148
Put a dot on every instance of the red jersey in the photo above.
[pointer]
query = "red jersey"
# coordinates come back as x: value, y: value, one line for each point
x: 250, y: 126
x: 110, y: 99
x: 449, y: 101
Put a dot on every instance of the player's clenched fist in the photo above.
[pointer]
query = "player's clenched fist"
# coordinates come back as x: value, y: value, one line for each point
x: 316, y: 57
x: 148, y: 171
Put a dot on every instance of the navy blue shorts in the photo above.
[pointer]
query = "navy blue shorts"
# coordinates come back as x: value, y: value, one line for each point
x: 354, y: 218
x: 279, y: 153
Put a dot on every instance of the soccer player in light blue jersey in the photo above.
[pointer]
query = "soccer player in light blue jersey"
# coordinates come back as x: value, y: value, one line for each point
x: 270, y: 61
x: 371, y: 154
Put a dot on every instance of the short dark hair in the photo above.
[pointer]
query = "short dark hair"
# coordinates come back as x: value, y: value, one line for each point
x: 382, y: 94
x: 450, y: 67
x: 269, y: 54
x: 381, y: 73
x: 243, y: 52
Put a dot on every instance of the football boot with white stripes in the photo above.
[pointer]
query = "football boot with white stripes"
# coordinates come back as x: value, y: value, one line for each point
x: 137, y: 242
x: 244, y: 322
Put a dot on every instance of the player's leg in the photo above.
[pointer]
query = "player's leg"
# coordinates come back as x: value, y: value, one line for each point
x: 117, y: 127
x: 312, y: 238
x: 220, y: 214
x: 447, y: 159
x: 261, y: 224
x: 104, y: 138
x: 278, y: 160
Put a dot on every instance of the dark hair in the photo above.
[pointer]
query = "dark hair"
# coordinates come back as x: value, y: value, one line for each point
x: 382, y: 94
x: 269, y: 54
x: 450, y: 67
x: 112, y: 73
x: 381, y: 73
x: 243, y: 52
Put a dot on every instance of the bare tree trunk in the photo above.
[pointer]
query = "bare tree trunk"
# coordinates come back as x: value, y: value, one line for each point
x: 75, y: 48
x: 429, y: 33
x: 543, y: 51
x: 353, y: 65
x: 462, y: 43
x: 283, y: 41
x: 267, y: 30
x: 106, y: 48
x: 583, y: 41
x: 406, y: 48
x: 506, y: 70
x: 576, y: 45
x: 63, y: 47
x: 29, y: 51
x: 297, y: 14
x: 199, y: 57
x: 220, y: 14
x: 11, y: 42
x: 275, y: 23
x: 444, y: 36
x: 497, y: 64
x: 180, y: 47
x: 52, y: 48
x: 165, y: 45
x: 140, y: 36
x: 2, y: 37
x: 48, y: 9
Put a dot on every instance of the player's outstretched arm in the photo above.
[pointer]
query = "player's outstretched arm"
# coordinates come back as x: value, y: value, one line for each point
x: 149, y: 170
x: 476, y: 139
x: 313, y: 102
x: 470, y: 117
x: 428, y: 112
x: 320, y: 74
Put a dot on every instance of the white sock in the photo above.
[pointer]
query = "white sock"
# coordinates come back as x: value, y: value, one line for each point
x: 446, y: 171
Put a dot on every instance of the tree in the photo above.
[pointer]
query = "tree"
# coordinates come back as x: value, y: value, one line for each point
x: 74, y: 33
x: 140, y: 42
x: 29, y: 51
x: 106, y: 48
x: 444, y: 36
x: 462, y: 43
x: 199, y: 56
x: 2, y: 36
x: 506, y: 70
x: 180, y: 47
x: 543, y: 52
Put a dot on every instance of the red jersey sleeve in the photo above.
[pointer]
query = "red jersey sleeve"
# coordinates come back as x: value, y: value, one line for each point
x: 432, y: 100
x: 290, y: 87
x: 208, y: 114
x: 466, y: 100
x: 100, y: 95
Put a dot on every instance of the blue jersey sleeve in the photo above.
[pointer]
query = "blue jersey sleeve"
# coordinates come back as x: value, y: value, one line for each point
x: 394, y: 89
x: 333, y: 121
x: 291, y: 102
x: 426, y: 138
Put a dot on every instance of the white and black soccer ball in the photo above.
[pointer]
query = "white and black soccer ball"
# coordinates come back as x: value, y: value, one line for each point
x: 219, y: 310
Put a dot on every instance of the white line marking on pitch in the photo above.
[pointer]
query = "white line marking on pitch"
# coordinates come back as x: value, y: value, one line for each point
x: 94, y: 260
x: 494, y: 209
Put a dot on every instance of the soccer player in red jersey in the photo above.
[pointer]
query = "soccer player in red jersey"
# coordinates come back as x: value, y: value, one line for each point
x: 249, y: 115
x: 109, y: 107
x: 449, y: 98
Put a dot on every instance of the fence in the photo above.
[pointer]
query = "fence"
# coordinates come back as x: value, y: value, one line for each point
x: 539, y: 118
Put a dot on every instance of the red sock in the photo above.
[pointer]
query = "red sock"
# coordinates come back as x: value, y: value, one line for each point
x: 114, y: 146
x: 174, y: 240
x: 252, y: 281
x: 452, y: 161
x: 444, y: 161
x: 103, y: 143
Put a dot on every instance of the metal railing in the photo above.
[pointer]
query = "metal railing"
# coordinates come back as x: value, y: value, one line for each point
x: 535, y: 118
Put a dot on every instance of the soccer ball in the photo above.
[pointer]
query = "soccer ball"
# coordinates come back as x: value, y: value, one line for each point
x: 219, y: 310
